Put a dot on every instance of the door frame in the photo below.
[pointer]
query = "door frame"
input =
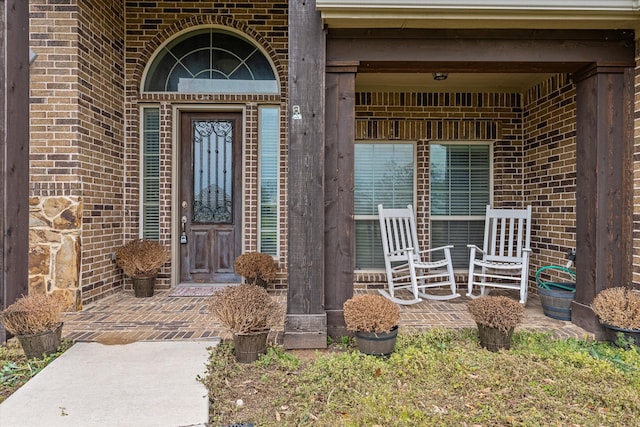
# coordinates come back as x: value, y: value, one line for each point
x: 177, y: 110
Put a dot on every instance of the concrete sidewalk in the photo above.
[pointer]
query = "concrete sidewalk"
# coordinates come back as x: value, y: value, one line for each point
x: 142, y: 384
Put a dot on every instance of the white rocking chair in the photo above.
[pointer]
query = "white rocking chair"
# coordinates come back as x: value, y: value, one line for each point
x: 504, y: 258
x: 406, y: 266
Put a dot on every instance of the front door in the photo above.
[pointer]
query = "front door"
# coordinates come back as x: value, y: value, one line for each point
x: 210, y: 199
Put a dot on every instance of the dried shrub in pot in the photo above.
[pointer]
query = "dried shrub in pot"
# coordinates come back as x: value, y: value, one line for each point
x: 498, y: 312
x: 370, y: 313
x: 619, y: 307
x: 255, y: 267
x: 141, y: 258
x: 245, y: 308
x: 32, y: 314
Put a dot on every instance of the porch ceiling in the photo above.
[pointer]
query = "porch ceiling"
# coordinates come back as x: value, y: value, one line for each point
x: 458, y: 82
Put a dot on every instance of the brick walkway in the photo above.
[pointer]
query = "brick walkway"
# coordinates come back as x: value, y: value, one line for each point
x: 122, y: 318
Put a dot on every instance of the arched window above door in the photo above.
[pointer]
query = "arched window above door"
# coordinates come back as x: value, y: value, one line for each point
x: 210, y: 60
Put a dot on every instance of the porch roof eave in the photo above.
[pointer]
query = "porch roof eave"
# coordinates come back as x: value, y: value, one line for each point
x: 505, y: 14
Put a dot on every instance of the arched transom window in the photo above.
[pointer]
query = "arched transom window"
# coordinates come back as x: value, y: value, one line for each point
x: 210, y: 60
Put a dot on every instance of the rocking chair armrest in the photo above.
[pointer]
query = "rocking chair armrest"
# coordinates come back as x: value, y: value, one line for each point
x: 439, y: 248
x: 476, y: 248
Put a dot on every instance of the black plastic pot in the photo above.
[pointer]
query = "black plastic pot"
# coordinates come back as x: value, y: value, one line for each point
x: 622, y: 337
x: 377, y: 343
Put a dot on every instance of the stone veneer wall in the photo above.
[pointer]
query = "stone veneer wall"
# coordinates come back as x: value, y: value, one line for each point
x: 550, y: 169
x: 149, y: 25
x: 76, y: 147
x: 426, y: 117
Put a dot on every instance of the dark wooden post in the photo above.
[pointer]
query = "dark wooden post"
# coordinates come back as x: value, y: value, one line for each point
x: 339, y: 238
x: 14, y: 161
x: 306, y: 320
x: 604, y: 192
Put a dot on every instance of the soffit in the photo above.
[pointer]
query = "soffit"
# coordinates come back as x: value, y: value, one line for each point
x: 455, y: 82
x: 540, y: 14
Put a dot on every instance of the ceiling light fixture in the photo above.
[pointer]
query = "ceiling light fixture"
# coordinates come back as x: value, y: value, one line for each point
x: 440, y: 76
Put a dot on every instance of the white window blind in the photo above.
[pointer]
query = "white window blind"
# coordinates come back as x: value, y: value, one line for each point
x: 269, y: 143
x: 151, y: 173
x: 384, y: 173
x: 460, y: 189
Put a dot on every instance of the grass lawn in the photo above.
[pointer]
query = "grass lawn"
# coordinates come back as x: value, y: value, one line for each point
x: 436, y: 378
x: 15, y: 369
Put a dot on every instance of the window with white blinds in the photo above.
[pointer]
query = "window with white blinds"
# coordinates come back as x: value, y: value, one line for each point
x: 150, y: 173
x: 384, y: 173
x: 460, y: 189
x: 269, y: 146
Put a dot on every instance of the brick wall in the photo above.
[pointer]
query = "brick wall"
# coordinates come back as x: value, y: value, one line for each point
x: 636, y: 176
x: 101, y: 140
x: 534, y: 152
x: 54, y: 154
x: 76, y: 147
x: 426, y: 117
x: 149, y: 25
x: 550, y: 169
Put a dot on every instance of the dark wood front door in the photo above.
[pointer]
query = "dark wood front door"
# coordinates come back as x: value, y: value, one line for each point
x: 210, y: 199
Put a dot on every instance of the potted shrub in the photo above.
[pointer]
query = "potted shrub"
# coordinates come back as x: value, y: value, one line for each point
x: 36, y: 321
x: 249, y: 312
x: 496, y: 317
x: 374, y: 321
x: 257, y: 268
x: 141, y: 260
x: 618, y: 310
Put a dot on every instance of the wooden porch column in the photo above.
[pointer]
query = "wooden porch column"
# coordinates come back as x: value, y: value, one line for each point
x: 14, y: 160
x: 604, y: 185
x: 306, y: 320
x: 339, y: 238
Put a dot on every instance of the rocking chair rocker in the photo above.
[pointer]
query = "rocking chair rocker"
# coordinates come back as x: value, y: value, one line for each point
x: 406, y: 266
x: 504, y: 258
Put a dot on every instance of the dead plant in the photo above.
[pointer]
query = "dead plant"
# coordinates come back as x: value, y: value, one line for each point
x: 32, y: 314
x: 370, y: 313
x: 255, y: 267
x: 619, y: 307
x: 498, y: 312
x: 141, y: 258
x: 245, y: 308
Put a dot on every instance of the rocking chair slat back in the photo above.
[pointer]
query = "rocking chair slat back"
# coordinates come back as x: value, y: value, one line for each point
x: 507, y: 232
x: 503, y: 261
x: 405, y: 265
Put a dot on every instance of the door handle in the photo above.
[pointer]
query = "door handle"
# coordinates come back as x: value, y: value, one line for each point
x: 183, y: 236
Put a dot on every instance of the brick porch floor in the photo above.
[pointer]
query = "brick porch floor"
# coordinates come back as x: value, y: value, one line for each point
x: 122, y: 318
